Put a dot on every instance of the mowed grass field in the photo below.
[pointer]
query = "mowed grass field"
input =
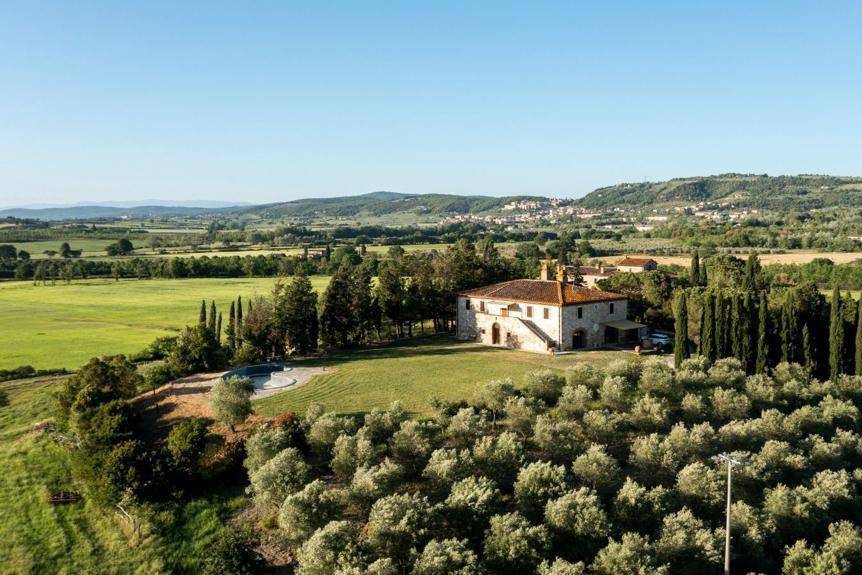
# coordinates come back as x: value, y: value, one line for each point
x: 65, y: 325
x: 414, y: 373
x: 797, y: 257
x: 36, y: 537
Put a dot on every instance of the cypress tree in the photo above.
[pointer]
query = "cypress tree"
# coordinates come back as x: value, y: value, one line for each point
x: 857, y: 352
x: 720, y: 323
x: 695, y: 269
x: 752, y: 271
x: 707, y: 328
x: 238, y: 322
x: 807, y: 351
x: 680, y: 347
x: 218, y: 329
x: 746, y: 329
x: 231, y: 327
x: 735, y: 327
x: 202, y: 316
x: 788, y: 330
x: 704, y: 278
x: 212, y: 318
x: 762, y: 361
x: 836, y: 336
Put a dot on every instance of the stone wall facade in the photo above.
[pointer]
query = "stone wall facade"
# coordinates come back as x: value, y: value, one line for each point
x: 593, y: 315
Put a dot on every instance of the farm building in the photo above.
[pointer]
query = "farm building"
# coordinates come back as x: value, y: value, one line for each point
x: 546, y: 315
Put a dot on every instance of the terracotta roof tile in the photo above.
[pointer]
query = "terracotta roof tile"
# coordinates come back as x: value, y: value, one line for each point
x: 627, y: 261
x: 539, y: 291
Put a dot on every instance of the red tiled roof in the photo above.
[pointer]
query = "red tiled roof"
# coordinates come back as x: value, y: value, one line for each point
x: 540, y: 291
x: 627, y: 261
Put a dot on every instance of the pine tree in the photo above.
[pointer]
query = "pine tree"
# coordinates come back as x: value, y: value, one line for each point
x: 231, y: 327
x: 680, y: 315
x: 857, y: 352
x: 337, y: 322
x: 300, y: 314
x: 202, y: 316
x: 707, y: 328
x: 762, y: 362
x: 695, y: 269
x: 836, y: 336
x: 238, y: 322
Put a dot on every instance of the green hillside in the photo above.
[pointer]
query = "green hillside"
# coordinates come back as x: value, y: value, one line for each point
x: 384, y: 203
x: 763, y: 192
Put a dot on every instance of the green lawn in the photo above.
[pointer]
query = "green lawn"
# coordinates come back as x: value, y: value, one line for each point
x: 414, y: 373
x: 65, y: 325
x: 36, y: 537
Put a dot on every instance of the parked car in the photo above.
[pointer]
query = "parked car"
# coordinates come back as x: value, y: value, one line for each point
x: 660, y: 342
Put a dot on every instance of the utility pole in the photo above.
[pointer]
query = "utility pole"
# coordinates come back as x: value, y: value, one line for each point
x: 731, y: 462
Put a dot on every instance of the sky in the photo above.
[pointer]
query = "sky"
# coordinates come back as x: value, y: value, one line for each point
x: 273, y: 101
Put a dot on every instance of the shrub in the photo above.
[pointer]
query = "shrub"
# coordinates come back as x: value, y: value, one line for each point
x: 231, y: 554
x: 186, y: 443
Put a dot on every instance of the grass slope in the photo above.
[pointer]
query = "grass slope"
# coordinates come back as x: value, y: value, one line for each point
x: 36, y: 537
x: 414, y: 373
x: 66, y: 325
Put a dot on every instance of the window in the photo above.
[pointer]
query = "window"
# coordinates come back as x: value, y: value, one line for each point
x: 546, y: 313
x: 612, y: 307
x: 529, y: 311
x: 467, y: 304
x: 481, y: 306
x: 580, y: 312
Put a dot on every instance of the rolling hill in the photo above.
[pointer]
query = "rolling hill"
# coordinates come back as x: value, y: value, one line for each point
x: 763, y: 192
x: 384, y: 203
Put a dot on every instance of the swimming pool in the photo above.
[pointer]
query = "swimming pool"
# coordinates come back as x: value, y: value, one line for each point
x: 265, y: 375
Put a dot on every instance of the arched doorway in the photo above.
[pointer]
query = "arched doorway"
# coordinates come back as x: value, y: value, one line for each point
x: 579, y: 339
x: 495, y: 334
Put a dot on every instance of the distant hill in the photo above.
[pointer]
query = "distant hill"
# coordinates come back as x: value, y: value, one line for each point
x: 91, y: 212
x: 384, y: 203
x: 744, y: 190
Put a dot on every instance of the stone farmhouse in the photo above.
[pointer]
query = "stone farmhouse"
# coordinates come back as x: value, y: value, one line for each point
x: 547, y: 315
x: 636, y: 265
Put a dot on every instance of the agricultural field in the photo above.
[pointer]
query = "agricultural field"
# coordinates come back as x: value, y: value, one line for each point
x: 65, y: 325
x: 796, y: 257
x: 89, y: 247
x: 414, y: 373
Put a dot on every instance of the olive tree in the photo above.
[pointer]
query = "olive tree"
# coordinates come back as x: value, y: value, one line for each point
x: 446, y: 466
x: 537, y: 483
x: 306, y: 511
x: 632, y: 554
x: 559, y: 439
x: 493, y: 395
x: 329, y: 549
x: 545, y: 385
x: 282, y: 475
x: 597, y: 469
x: 562, y: 567
x: 513, y: 545
x: 447, y: 557
x: 466, y: 426
x: 371, y: 483
x: 230, y: 399
x: 397, y: 523
x: 471, y: 502
x: 263, y: 445
x: 577, y: 516
x: 499, y: 457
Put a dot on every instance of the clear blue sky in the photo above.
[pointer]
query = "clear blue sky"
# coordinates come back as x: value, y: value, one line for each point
x: 269, y: 101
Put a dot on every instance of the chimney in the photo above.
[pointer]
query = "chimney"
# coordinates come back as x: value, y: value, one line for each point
x: 545, y: 274
x: 562, y: 274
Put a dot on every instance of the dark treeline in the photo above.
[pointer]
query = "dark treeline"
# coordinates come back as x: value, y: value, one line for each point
x: 412, y: 293
x: 733, y: 309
